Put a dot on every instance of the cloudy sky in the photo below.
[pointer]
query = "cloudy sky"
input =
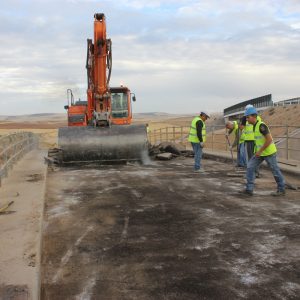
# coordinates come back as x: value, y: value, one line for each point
x: 178, y: 56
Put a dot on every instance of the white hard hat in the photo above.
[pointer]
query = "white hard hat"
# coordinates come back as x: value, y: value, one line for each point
x: 203, y: 113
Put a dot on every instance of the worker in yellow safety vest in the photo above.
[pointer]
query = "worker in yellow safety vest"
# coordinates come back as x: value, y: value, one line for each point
x: 236, y: 129
x: 249, y: 139
x: 265, y: 149
x: 197, y: 137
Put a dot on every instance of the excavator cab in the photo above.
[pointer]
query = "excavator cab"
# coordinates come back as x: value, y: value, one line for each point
x: 121, y: 105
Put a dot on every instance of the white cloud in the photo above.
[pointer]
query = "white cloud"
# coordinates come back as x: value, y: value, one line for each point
x: 176, y: 55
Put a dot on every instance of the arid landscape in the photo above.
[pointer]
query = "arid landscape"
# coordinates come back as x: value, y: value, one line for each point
x: 46, y: 125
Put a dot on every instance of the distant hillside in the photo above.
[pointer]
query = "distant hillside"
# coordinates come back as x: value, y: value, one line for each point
x: 289, y: 115
x: 51, y: 116
x: 34, y: 117
x: 155, y: 115
x: 34, y: 121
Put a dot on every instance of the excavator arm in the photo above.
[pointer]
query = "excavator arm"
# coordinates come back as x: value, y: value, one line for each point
x: 99, y: 62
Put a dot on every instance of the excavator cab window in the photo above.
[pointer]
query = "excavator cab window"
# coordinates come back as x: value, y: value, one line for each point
x: 119, y: 105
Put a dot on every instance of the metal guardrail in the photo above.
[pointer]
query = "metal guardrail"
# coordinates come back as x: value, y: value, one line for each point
x: 287, y: 102
x: 13, y: 147
x: 287, y: 138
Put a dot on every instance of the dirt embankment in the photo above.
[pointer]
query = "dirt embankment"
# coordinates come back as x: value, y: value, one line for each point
x: 283, y: 115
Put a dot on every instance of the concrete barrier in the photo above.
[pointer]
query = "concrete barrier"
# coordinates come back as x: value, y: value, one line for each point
x: 13, y: 147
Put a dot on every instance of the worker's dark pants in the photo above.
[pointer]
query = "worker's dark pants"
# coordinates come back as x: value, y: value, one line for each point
x: 198, y: 155
x: 241, y: 156
x: 249, y: 150
x: 271, y: 160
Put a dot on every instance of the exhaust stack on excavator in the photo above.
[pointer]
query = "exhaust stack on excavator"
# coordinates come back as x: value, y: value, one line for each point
x: 100, y: 129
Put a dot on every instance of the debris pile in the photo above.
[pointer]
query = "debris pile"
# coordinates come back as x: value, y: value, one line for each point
x: 168, y: 150
x: 162, y: 151
x: 54, y: 156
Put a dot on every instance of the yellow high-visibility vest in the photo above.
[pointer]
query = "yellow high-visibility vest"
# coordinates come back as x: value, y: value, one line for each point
x: 193, y: 137
x: 260, y: 140
x: 242, y: 137
x: 249, y: 133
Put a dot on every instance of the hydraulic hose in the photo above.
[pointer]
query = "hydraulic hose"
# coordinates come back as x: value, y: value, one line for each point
x: 109, y: 60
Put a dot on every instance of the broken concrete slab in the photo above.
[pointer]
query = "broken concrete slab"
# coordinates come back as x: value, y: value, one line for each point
x: 164, y: 156
x: 171, y: 147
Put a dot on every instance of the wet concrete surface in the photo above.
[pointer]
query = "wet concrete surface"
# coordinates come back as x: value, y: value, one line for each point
x: 163, y: 232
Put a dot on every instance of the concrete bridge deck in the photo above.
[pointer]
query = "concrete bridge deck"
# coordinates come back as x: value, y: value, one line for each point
x: 146, y: 232
x: 163, y: 232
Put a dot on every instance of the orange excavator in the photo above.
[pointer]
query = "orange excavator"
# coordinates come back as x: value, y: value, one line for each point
x: 100, y: 128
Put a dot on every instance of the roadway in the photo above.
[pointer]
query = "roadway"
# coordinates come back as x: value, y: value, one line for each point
x: 163, y: 232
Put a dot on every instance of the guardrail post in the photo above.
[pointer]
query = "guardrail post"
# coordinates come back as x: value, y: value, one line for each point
x: 181, y: 133
x: 160, y: 136
x: 287, y: 142
x: 174, y: 134
x: 151, y: 135
x: 212, y: 138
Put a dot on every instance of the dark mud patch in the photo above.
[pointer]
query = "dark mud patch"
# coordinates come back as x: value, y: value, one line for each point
x: 14, y: 292
x: 35, y: 177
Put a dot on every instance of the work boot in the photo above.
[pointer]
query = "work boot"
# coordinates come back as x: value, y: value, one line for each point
x: 199, y: 171
x: 278, y: 193
x: 246, y: 192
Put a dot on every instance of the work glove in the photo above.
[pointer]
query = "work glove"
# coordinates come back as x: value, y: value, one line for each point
x: 201, y: 144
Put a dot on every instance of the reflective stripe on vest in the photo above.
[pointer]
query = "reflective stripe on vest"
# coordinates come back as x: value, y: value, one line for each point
x: 260, y: 140
x: 193, y: 137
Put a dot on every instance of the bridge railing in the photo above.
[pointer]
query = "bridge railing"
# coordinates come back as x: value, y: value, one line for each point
x: 287, y: 138
x: 13, y: 147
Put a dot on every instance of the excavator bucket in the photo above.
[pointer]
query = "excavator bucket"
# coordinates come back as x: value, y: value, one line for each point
x: 115, y: 143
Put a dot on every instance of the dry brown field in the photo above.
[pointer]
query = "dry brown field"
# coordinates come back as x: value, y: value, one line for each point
x: 46, y: 125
